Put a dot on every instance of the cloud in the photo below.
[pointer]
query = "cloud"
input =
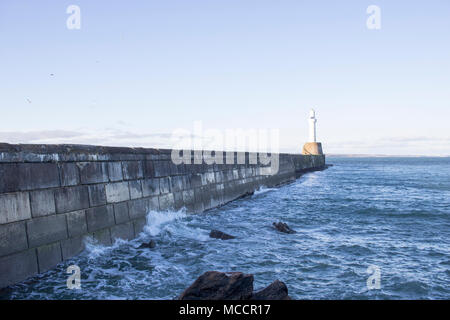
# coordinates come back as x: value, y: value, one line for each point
x: 400, y: 145
x: 30, y: 136
x: 112, y: 137
x: 106, y: 137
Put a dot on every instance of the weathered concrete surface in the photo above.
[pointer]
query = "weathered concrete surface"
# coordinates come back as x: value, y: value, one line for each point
x: 52, y: 197
x: 14, y: 207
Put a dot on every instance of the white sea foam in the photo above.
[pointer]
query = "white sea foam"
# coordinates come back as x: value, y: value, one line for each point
x: 157, y: 220
x: 156, y: 223
x: 173, y: 223
x: 94, y: 249
x: 262, y: 190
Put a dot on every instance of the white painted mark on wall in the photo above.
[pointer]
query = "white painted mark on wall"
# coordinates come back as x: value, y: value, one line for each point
x: 374, y: 20
x: 74, y: 280
x: 74, y: 20
x: 374, y: 280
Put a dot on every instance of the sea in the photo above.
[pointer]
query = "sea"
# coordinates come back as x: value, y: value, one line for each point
x: 366, y: 228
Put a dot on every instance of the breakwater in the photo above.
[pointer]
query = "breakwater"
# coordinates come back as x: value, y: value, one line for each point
x: 54, y: 196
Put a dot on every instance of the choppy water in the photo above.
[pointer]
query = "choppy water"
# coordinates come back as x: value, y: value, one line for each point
x: 390, y: 212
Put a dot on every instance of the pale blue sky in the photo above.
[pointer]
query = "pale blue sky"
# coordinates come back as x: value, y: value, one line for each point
x: 137, y: 70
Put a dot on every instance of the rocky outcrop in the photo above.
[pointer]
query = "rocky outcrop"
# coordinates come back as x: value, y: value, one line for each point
x: 220, y: 235
x: 277, y: 290
x: 283, y: 227
x: 214, y: 285
x: 150, y: 245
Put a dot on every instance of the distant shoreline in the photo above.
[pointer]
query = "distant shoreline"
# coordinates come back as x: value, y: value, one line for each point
x: 381, y: 156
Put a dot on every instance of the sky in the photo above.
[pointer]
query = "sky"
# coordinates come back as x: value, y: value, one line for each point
x: 136, y: 71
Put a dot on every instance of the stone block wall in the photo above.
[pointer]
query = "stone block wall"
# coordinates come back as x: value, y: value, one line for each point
x: 54, y: 196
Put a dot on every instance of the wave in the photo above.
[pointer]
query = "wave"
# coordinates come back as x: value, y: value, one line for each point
x: 411, y: 288
x: 94, y: 249
x: 157, y: 220
x: 263, y: 190
x: 354, y: 249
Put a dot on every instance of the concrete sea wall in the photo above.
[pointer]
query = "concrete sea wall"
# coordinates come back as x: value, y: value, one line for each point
x: 54, y: 196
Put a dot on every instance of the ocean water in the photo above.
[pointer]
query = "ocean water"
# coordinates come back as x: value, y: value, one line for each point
x: 392, y: 213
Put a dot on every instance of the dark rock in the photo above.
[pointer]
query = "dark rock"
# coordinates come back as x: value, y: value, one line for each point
x: 220, y: 235
x: 247, y: 194
x: 149, y: 245
x: 214, y: 285
x: 277, y: 290
x: 283, y: 227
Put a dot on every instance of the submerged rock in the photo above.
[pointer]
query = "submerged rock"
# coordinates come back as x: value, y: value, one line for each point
x: 248, y: 194
x: 149, y: 245
x: 283, y: 227
x: 277, y: 290
x: 220, y: 235
x: 214, y: 285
